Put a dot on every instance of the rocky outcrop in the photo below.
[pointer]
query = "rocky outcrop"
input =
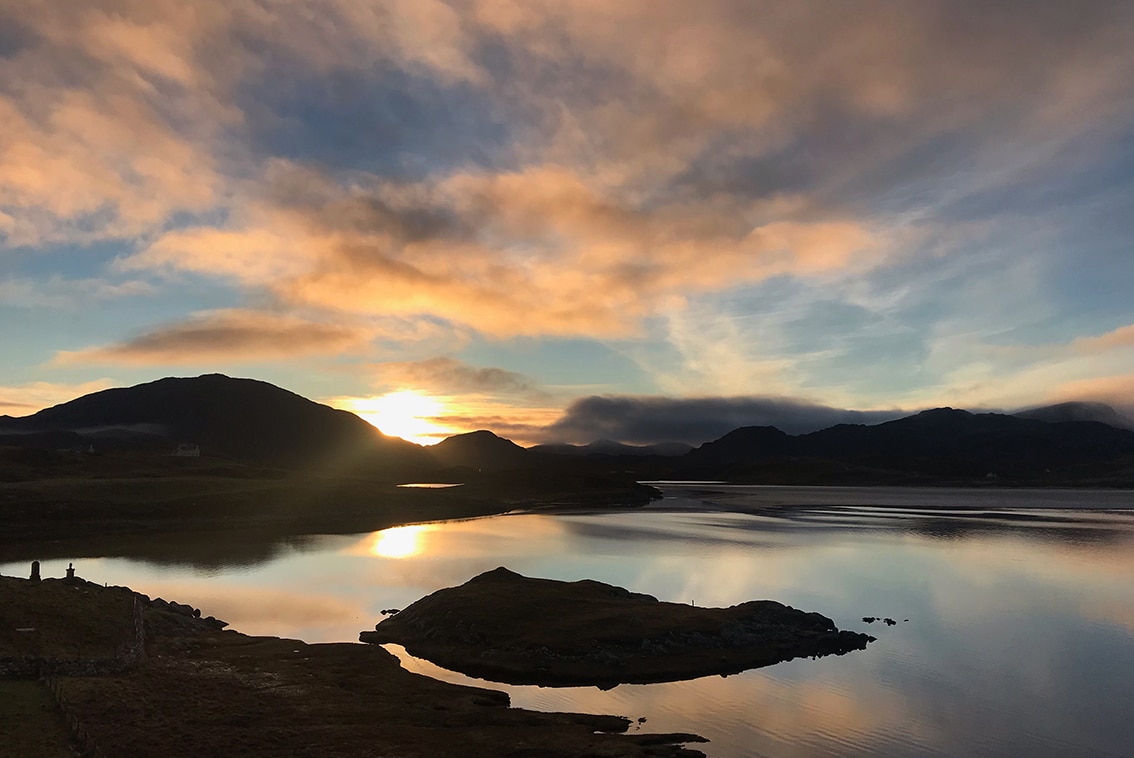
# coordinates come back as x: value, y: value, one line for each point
x: 509, y: 628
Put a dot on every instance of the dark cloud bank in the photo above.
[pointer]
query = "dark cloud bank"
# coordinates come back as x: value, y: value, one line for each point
x: 646, y: 420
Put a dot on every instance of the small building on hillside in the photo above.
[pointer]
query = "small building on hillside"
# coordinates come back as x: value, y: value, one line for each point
x: 188, y: 450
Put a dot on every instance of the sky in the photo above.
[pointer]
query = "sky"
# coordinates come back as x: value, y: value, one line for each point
x: 571, y: 220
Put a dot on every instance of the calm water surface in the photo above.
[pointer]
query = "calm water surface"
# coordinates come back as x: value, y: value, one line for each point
x: 1020, y: 608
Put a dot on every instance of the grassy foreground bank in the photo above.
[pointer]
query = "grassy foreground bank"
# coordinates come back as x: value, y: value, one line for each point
x: 191, y: 689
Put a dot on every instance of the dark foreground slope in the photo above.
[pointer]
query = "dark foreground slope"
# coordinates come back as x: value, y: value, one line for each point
x: 178, y: 687
x: 510, y: 628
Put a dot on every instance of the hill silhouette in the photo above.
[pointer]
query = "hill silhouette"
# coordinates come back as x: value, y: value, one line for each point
x: 253, y: 421
x: 481, y: 450
x: 944, y: 443
x: 244, y: 419
x: 614, y: 449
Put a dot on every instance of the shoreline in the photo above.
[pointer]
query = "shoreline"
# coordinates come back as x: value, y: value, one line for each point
x: 40, y: 514
x: 259, y: 526
x: 194, y: 689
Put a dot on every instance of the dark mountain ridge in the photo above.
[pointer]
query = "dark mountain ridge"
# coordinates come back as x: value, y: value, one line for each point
x: 479, y: 449
x: 244, y: 419
x: 250, y: 420
x: 614, y: 449
x: 942, y: 443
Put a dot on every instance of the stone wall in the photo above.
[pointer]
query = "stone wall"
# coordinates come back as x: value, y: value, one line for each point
x: 36, y: 666
x: 83, y: 740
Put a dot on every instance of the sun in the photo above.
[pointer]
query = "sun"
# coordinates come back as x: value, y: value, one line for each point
x: 406, y: 413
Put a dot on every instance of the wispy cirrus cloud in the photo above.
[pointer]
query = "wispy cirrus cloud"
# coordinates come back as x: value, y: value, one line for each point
x: 60, y: 292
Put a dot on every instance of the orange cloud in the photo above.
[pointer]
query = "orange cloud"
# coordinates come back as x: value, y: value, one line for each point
x: 1117, y: 390
x: 522, y: 421
x: 524, y: 425
x: 118, y: 116
x: 226, y: 335
x: 717, y: 145
x: 95, y: 144
x: 451, y: 376
x: 31, y: 398
x: 534, y: 252
x: 1118, y: 339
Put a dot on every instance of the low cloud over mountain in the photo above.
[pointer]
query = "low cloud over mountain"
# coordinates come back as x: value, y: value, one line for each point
x: 644, y: 420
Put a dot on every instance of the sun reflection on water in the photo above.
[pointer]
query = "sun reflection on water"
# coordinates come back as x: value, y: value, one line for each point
x: 399, y: 541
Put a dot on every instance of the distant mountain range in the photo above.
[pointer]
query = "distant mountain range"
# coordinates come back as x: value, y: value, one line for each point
x: 245, y: 419
x: 943, y: 444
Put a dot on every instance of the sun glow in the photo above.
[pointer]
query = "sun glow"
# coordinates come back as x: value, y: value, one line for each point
x: 399, y: 541
x: 406, y: 413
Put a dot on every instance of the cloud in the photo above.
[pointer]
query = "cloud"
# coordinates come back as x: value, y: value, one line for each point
x: 442, y: 416
x: 109, y: 121
x: 535, y: 252
x: 1117, y: 391
x: 633, y: 173
x: 533, y: 169
x: 524, y: 425
x: 646, y: 420
x: 119, y: 117
x: 450, y: 376
x: 26, y: 399
x: 57, y: 292
x: 1117, y: 339
x: 1091, y: 367
x: 233, y: 336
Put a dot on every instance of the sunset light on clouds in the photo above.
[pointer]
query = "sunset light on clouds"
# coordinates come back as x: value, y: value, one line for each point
x: 447, y: 216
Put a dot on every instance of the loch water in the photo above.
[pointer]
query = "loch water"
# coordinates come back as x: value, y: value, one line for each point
x: 1014, y: 609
